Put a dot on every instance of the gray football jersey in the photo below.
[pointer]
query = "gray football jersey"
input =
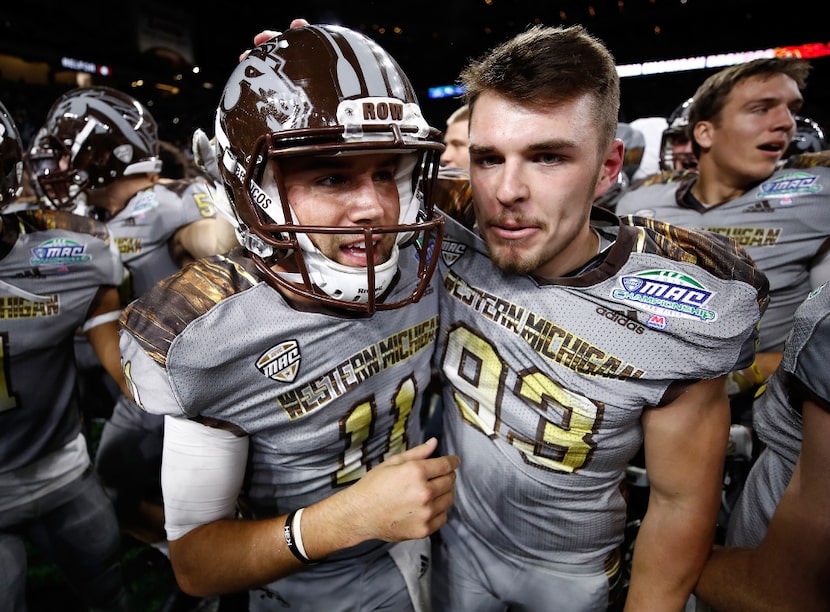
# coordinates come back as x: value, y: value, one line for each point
x: 144, y: 227
x: 783, y: 223
x: 52, y: 264
x: 777, y: 417
x: 322, y: 397
x: 545, y: 382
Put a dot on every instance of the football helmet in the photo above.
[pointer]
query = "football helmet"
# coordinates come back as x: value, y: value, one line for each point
x: 93, y: 136
x: 675, y: 133
x: 319, y: 91
x: 635, y: 145
x: 11, y: 158
x: 809, y: 137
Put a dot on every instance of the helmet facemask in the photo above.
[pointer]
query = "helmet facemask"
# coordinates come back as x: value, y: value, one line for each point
x: 276, y: 238
x: 677, y: 132
x: 58, y: 180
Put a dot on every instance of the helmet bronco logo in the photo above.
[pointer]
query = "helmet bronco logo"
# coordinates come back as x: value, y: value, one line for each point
x: 263, y: 79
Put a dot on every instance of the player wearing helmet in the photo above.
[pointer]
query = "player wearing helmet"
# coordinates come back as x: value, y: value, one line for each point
x: 291, y: 369
x: 98, y: 154
x: 58, y: 272
x: 809, y: 137
x: 567, y: 339
x: 92, y: 137
x: 742, y: 120
x: 675, y: 145
x: 634, y: 146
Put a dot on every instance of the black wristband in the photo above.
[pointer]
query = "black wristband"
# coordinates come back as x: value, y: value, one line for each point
x: 288, y: 533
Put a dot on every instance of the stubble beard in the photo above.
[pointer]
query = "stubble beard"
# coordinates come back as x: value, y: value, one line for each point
x: 510, y: 258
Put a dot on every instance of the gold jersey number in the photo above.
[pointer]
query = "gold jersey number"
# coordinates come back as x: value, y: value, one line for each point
x: 563, y: 440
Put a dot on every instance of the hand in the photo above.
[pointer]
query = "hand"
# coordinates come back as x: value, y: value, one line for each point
x: 269, y: 34
x: 405, y: 497
x: 204, y: 155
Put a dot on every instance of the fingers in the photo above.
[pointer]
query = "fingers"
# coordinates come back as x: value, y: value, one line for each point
x: 432, y: 467
x: 442, y: 491
x: 204, y: 155
x: 260, y: 38
x: 422, y: 451
x: 441, y: 466
x: 265, y: 35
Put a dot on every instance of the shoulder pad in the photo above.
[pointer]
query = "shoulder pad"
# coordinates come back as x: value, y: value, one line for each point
x: 809, y: 160
x: 47, y: 219
x: 160, y: 314
x: 664, y: 178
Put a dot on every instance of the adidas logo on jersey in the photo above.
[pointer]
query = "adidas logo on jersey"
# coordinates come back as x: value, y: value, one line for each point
x: 281, y: 362
x: 628, y: 320
x: 759, y: 207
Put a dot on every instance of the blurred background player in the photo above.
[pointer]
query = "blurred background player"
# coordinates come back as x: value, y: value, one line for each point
x: 652, y: 130
x: 455, y: 154
x: 98, y: 154
x: 58, y: 272
x: 778, y: 544
x: 676, y: 144
x: 742, y: 121
x: 634, y: 147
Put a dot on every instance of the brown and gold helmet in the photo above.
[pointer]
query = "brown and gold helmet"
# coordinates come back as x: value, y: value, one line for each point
x: 324, y: 90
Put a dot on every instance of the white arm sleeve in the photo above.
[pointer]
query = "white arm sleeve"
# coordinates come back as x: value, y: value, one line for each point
x: 820, y: 271
x: 201, y: 474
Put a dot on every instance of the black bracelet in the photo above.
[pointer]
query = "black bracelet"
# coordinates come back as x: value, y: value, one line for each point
x: 288, y: 533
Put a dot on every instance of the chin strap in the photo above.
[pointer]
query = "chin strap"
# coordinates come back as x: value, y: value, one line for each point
x: 345, y: 283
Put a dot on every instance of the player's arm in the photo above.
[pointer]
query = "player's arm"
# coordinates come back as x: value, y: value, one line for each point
x: 101, y: 329
x: 820, y: 270
x: 406, y: 497
x: 685, y: 444
x: 789, y: 570
x: 202, y: 238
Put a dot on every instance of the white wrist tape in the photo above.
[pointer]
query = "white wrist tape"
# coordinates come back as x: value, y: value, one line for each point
x: 100, y: 319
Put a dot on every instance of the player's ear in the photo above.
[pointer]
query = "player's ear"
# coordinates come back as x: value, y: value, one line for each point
x: 611, y: 167
x: 703, y: 132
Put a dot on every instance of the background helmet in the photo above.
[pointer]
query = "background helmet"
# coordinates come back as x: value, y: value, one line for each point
x: 634, y: 146
x: 92, y: 137
x: 324, y: 90
x: 677, y: 130
x: 11, y: 158
x: 809, y: 137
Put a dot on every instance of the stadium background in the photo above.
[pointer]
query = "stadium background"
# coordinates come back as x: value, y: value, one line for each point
x: 149, y: 48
